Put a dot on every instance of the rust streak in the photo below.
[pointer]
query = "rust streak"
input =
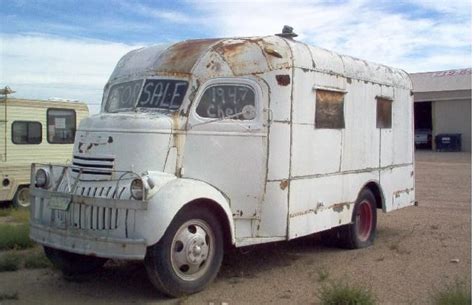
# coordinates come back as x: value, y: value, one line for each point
x: 284, y: 184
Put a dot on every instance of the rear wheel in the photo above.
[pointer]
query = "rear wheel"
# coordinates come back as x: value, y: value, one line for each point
x: 73, y: 264
x: 22, y: 197
x: 361, y: 232
x: 189, y: 255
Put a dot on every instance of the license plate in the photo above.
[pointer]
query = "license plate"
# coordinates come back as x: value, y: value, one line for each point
x: 59, y: 203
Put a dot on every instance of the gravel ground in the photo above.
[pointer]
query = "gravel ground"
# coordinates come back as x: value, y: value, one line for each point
x: 411, y: 259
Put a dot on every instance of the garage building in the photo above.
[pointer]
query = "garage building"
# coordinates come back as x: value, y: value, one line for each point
x: 443, y: 105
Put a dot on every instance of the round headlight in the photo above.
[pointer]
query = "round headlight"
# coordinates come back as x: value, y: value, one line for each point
x: 42, y: 178
x: 136, y: 189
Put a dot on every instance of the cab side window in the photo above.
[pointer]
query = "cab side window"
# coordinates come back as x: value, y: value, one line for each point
x: 61, y: 126
x: 26, y: 132
x: 235, y: 102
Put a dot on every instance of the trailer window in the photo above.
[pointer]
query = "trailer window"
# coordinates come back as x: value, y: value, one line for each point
x: 26, y: 132
x: 61, y: 126
x: 329, y: 109
x: 384, y: 112
x: 233, y: 101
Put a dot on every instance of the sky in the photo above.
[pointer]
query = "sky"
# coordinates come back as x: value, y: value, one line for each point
x: 68, y: 48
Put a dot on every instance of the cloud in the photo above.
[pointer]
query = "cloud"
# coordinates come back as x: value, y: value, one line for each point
x: 40, y: 66
x: 163, y: 15
x: 382, y: 33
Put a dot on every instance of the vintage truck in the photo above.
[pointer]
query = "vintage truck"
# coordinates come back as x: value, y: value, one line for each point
x: 207, y: 144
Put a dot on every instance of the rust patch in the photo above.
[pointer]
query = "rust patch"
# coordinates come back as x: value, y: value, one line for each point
x: 181, y: 57
x: 284, y: 184
x: 283, y: 80
x: 339, y: 207
x: 214, y: 66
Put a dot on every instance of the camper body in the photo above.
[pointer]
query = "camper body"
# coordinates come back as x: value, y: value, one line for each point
x: 208, y: 143
x: 33, y: 131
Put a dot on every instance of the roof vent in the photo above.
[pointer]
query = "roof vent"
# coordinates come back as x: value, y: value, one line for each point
x: 287, y: 32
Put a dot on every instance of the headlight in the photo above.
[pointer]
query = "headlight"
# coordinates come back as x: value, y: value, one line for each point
x: 42, y: 178
x: 136, y: 189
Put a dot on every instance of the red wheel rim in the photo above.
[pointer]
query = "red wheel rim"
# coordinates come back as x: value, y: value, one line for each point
x: 364, y: 220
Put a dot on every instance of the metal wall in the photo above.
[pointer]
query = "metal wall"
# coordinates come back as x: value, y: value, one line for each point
x: 453, y: 116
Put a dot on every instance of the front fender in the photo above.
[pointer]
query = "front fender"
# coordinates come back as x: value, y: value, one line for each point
x: 166, y: 202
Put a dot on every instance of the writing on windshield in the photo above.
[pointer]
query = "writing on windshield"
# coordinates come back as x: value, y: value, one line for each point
x: 162, y: 94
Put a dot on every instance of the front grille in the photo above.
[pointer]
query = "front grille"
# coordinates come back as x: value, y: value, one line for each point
x: 93, y: 165
x: 97, y: 218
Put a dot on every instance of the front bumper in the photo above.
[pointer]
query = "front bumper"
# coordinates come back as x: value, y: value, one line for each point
x: 76, y: 242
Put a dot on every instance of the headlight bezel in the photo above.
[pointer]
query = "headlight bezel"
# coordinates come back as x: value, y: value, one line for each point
x: 45, y: 178
x: 137, y: 189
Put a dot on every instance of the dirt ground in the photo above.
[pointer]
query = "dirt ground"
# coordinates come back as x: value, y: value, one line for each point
x: 412, y: 258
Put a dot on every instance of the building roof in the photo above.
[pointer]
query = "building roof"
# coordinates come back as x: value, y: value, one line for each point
x: 450, y: 80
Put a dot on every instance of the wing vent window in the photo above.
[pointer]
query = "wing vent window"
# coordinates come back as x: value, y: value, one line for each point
x: 384, y: 112
x: 26, y: 132
x: 329, y: 109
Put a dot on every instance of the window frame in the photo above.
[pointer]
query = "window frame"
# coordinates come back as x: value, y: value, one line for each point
x: 235, y: 82
x: 334, y: 90
x: 22, y: 121
x: 47, y: 124
x: 378, y: 100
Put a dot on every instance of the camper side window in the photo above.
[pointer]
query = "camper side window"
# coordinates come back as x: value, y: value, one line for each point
x: 26, y: 132
x: 227, y: 101
x: 61, y: 126
x: 384, y: 112
x: 329, y: 109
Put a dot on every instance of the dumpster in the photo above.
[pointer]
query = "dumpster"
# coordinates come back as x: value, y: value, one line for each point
x: 448, y: 142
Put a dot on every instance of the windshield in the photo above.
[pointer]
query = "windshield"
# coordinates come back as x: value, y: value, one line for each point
x: 165, y: 95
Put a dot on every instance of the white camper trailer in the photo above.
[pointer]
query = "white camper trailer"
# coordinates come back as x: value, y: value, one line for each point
x: 33, y: 131
x: 210, y: 143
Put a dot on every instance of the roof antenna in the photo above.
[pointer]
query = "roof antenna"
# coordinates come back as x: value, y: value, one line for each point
x: 287, y: 32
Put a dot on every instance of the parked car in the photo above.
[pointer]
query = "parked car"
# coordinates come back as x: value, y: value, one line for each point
x: 423, y: 138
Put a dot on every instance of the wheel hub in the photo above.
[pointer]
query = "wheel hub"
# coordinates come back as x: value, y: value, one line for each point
x: 197, y: 251
x: 192, y: 249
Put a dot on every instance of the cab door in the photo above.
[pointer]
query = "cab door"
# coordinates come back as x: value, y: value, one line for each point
x: 226, y: 145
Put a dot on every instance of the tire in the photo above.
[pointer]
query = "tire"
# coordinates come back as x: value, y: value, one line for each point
x: 72, y: 264
x: 22, y: 197
x: 360, y: 233
x: 189, y: 255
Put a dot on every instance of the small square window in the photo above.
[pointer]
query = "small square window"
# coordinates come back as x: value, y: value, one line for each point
x: 384, y: 112
x: 26, y: 132
x: 61, y: 126
x: 329, y: 109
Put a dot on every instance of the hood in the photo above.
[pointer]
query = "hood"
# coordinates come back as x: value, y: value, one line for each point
x: 135, y: 142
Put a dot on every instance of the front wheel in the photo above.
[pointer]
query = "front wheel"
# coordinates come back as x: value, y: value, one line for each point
x: 361, y: 232
x: 189, y: 255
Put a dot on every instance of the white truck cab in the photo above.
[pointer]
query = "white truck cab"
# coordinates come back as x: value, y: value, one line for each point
x: 210, y: 143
